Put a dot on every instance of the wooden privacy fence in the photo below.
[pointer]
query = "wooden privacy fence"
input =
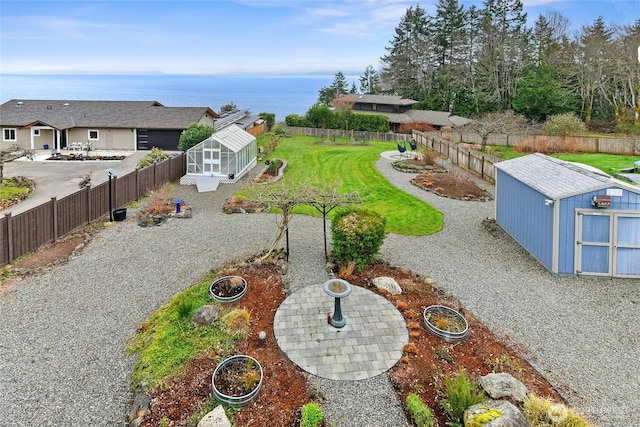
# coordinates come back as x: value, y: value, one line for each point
x: 587, y: 144
x: 476, y: 162
x: 51, y: 220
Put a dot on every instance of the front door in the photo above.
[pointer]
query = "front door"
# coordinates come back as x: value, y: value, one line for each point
x: 211, y: 161
x: 608, y: 244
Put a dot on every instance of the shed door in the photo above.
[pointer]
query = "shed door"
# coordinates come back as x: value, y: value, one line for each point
x: 608, y: 244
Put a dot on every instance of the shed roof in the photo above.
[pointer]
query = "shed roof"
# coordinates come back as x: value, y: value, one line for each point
x: 66, y: 114
x: 556, y: 178
x: 233, y: 137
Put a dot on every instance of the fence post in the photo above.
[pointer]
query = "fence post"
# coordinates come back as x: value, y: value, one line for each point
x: 9, y: 237
x: 88, y: 207
x: 155, y: 183
x: 54, y: 208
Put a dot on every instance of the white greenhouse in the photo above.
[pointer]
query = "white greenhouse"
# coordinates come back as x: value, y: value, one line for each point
x: 223, y: 157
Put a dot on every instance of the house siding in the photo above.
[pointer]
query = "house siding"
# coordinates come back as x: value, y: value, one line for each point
x: 522, y: 213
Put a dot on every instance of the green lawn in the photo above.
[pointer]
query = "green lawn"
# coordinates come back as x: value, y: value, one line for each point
x: 353, y: 166
x: 608, y: 163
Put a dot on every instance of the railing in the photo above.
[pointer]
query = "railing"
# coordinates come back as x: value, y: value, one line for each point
x: 51, y: 220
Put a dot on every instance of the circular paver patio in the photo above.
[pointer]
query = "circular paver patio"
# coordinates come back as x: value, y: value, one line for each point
x: 369, y: 344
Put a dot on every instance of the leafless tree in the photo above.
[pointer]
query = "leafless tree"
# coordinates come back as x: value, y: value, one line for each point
x: 9, y: 155
x: 493, y: 123
x: 286, y: 196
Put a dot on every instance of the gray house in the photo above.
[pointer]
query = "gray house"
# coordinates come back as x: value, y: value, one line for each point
x: 400, y: 110
x: 572, y: 219
x: 98, y: 125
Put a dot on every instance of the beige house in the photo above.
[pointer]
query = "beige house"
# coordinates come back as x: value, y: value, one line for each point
x: 96, y: 125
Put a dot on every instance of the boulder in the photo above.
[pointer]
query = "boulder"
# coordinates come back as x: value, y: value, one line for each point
x: 502, y: 385
x: 215, y: 418
x: 205, y: 315
x: 495, y: 413
x: 389, y: 284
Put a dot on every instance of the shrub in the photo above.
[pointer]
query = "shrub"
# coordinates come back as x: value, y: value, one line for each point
x: 628, y: 128
x: 460, y: 394
x: 542, y: 412
x: 420, y: 126
x: 237, y: 321
x: 194, y: 134
x: 420, y: 412
x: 156, y: 155
x: 565, y: 125
x: 357, y: 236
x: 311, y: 415
x: 185, y: 307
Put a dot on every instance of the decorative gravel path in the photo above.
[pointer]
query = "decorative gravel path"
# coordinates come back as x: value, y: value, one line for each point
x: 63, y: 333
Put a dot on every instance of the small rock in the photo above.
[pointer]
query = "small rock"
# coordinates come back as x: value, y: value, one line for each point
x: 389, y: 284
x: 205, y: 315
x: 499, y: 413
x: 502, y: 385
x: 139, y: 409
x: 215, y: 418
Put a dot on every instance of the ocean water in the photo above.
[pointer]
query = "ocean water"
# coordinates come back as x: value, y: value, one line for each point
x: 281, y: 95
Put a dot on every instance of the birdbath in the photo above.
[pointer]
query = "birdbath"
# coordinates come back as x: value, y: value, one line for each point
x: 338, y: 289
x: 177, y: 202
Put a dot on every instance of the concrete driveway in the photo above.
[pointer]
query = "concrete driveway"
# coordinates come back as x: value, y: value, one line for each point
x: 55, y: 178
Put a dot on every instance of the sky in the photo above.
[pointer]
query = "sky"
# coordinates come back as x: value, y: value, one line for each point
x: 254, y: 37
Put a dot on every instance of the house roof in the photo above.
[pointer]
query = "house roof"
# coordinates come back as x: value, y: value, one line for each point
x: 377, y: 99
x: 556, y: 178
x: 66, y: 114
x: 233, y: 137
x: 436, y: 118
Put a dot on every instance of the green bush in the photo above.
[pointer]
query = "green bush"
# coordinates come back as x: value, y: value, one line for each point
x: 295, y: 120
x: 567, y: 124
x: 419, y: 410
x: 156, y: 155
x: 628, y: 128
x: 357, y: 235
x: 460, y: 394
x: 194, y: 134
x: 311, y: 415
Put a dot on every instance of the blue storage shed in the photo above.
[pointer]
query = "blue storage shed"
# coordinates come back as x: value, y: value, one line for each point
x: 571, y: 218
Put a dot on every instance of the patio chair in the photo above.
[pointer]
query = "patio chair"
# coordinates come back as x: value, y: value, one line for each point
x: 402, y: 149
x: 413, y: 144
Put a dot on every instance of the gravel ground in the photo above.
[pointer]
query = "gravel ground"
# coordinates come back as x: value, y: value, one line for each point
x: 63, y: 333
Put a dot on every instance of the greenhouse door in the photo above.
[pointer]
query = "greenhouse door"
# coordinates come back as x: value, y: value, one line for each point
x: 608, y: 244
x: 211, y: 161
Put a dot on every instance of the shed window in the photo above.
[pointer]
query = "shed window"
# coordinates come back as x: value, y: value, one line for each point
x: 8, y: 134
x: 36, y: 132
x: 93, y: 135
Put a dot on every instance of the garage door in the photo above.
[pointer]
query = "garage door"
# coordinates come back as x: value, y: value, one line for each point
x: 608, y: 243
x: 165, y: 139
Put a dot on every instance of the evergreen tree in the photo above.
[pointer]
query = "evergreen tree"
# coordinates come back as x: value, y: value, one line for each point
x: 338, y: 88
x: 370, y: 81
x: 505, y: 51
x: 406, y: 68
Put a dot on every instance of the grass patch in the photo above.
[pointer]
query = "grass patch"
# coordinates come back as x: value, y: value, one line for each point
x: 166, y: 341
x: 16, y: 188
x: 608, y: 163
x: 353, y: 166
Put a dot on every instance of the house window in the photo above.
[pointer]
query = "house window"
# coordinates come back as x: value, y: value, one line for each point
x: 36, y: 132
x: 93, y: 135
x: 8, y: 134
